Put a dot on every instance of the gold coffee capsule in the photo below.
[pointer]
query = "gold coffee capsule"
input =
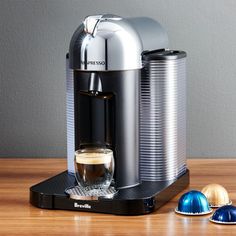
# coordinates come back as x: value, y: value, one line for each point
x: 217, y: 195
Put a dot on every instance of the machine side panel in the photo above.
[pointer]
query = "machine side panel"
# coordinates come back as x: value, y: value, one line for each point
x: 70, y: 117
x: 163, y: 116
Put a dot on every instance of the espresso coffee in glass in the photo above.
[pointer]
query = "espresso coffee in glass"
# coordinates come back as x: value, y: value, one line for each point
x: 94, y: 168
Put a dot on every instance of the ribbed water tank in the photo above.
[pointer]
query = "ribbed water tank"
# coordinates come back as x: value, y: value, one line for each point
x: 163, y: 116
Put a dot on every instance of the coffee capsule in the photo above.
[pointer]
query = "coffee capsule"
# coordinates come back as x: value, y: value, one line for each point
x: 224, y: 215
x: 193, y: 203
x: 217, y: 195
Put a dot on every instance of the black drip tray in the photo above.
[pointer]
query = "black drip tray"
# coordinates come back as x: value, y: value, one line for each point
x: 141, y: 199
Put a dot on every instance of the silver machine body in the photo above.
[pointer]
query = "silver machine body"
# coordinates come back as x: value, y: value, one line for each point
x: 125, y: 92
x: 112, y: 43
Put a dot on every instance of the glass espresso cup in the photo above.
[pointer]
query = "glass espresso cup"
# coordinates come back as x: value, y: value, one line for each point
x: 94, y: 168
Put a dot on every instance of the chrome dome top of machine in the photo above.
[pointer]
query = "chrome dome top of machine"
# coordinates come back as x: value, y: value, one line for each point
x: 109, y: 42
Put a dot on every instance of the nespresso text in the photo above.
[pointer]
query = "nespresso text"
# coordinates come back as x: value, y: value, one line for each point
x: 95, y: 63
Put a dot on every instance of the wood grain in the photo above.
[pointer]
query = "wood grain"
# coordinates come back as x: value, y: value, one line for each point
x: 18, y: 217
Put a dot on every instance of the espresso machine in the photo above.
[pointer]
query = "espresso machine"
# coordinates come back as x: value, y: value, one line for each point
x: 125, y: 91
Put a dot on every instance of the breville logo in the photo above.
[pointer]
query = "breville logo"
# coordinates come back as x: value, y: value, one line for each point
x: 95, y: 63
x: 87, y: 206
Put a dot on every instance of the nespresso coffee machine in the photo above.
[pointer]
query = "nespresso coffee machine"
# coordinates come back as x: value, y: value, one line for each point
x: 125, y: 92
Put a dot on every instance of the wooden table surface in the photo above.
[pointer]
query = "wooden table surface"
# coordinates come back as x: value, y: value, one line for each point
x: 18, y: 217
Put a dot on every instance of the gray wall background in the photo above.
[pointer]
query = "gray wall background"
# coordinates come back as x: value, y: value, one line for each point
x: 34, y: 38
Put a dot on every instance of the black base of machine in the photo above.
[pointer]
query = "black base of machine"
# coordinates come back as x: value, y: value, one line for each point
x: 138, y: 200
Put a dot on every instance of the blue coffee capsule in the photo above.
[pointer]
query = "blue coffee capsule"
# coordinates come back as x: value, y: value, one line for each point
x: 224, y: 215
x: 193, y: 203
